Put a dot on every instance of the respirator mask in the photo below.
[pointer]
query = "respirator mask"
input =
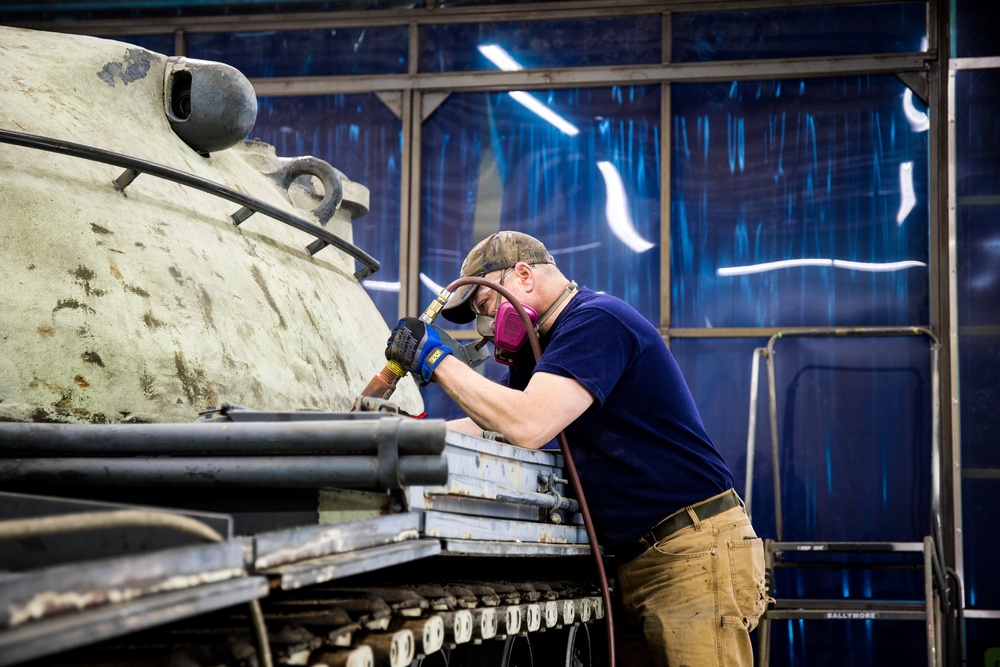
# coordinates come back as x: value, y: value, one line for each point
x: 507, y: 330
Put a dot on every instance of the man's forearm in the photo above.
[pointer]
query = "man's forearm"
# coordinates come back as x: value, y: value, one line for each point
x: 528, y: 418
x: 489, y: 405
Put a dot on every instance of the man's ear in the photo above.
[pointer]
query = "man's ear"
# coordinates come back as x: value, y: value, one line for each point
x: 525, y: 276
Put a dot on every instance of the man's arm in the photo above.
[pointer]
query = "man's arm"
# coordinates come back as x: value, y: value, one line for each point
x: 528, y: 418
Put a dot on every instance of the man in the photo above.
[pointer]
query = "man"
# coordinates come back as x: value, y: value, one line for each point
x: 690, y: 568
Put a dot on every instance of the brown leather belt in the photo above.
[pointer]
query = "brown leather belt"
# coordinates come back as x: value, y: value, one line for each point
x: 682, y: 519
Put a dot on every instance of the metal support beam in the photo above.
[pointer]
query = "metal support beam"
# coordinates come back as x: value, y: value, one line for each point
x: 583, y: 77
x: 499, y: 13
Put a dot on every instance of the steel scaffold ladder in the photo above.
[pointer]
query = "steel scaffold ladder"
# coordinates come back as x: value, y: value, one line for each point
x: 777, y: 553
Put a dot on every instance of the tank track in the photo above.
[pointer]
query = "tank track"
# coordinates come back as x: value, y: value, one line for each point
x: 514, y: 623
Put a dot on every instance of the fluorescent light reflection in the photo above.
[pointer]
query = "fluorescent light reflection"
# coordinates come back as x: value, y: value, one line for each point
x: 380, y: 285
x: 499, y: 57
x: 619, y: 218
x: 908, y: 197
x: 538, y: 108
x: 871, y: 267
x: 430, y: 284
x: 919, y: 121
x: 575, y: 248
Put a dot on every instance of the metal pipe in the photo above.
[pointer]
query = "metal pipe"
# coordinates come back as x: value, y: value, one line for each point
x: 772, y: 396
x: 752, y: 428
x: 954, y: 339
x: 284, y: 472
x: 936, y: 522
x: 835, y: 332
x: 19, y: 529
x: 930, y: 602
x: 410, y: 437
x: 959, y: 611
x: 537, y: 500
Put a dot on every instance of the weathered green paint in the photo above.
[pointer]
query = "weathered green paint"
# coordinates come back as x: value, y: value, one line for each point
x: 149, y: 305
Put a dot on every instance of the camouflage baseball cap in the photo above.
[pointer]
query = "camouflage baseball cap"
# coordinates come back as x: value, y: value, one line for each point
x: 502, y: 250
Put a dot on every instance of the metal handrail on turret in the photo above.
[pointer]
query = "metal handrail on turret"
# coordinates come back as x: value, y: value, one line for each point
x: 134, y: 166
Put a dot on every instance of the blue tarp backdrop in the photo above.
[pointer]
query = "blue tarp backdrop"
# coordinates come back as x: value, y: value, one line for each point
x: 801, y: 202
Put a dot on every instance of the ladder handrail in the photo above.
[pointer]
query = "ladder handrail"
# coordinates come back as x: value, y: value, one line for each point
x: 831, y: 332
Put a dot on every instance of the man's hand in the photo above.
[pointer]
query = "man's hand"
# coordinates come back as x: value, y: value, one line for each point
x: 417, y: 347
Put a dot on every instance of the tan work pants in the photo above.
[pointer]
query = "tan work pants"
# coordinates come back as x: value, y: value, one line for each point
x: 694, y: 596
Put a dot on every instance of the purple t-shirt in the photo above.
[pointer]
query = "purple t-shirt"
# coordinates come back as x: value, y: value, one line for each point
x: 641, y: 449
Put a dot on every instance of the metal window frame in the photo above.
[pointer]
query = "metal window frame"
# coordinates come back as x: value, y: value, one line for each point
x: 499, y: 13
x: 955, y: 332
x: 933, y: 65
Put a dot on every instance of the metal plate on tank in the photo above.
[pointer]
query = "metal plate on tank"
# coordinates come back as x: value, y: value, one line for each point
x: 31, y: 595
x: 491, y: 479
x: 60, y: 633
x: 338, y: 566
x: 285, y: 547
x: 440, y: 524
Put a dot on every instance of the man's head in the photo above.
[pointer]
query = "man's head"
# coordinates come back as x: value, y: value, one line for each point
x: 495, y: 253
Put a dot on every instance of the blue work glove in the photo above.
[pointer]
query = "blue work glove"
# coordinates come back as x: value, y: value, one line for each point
x: 417, y: 347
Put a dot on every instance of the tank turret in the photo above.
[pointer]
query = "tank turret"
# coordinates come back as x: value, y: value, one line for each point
x: 147, y: 299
